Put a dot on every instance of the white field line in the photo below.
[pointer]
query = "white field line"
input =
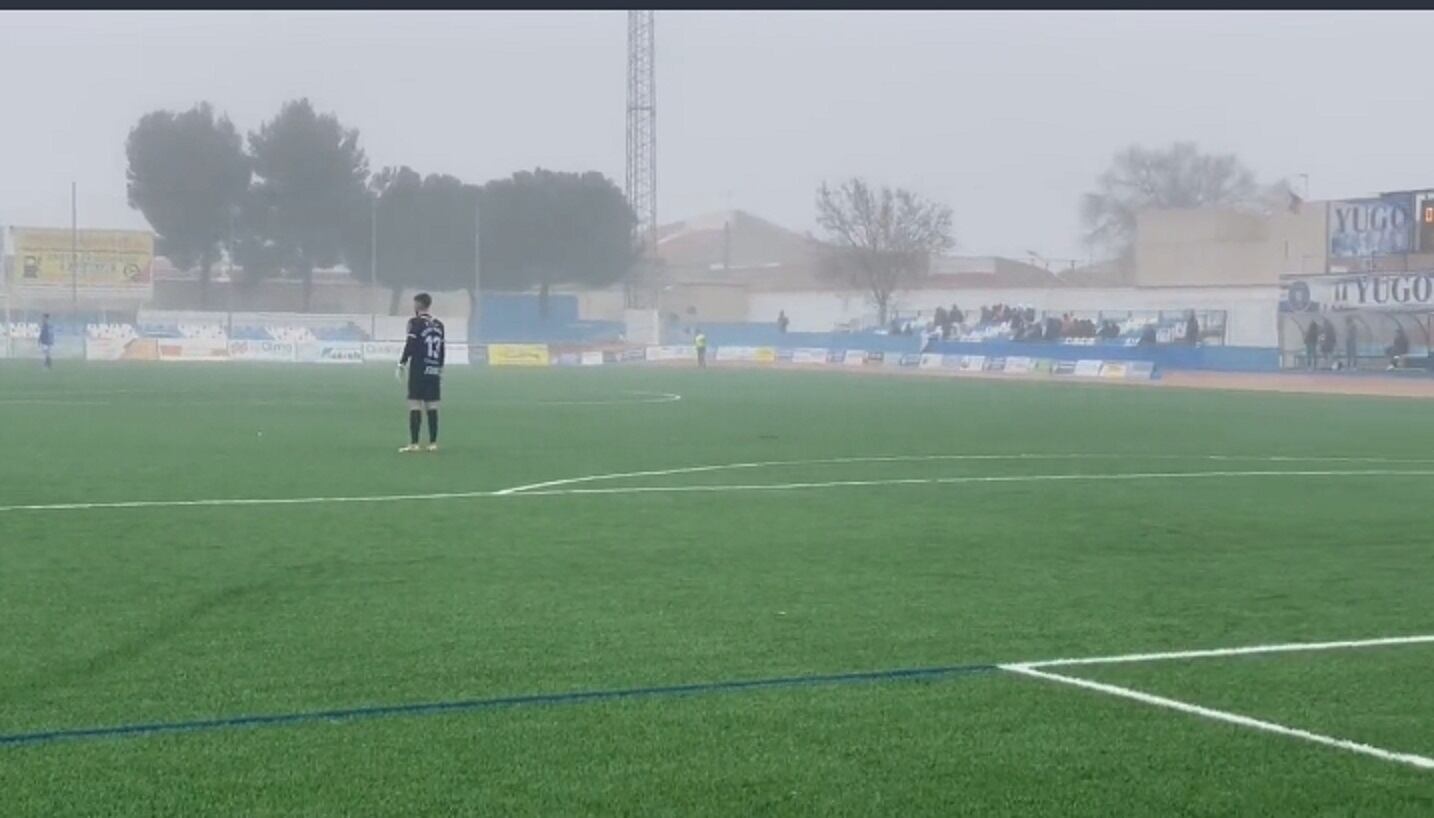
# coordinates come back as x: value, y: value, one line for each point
x: 162, y: 402
x: 559, y: 492
x: 765, y: 464
x: 1410, y: 759
x: 1252, y: 650
x: 777, y: 464
x: 255, y: 501
x: 640, y: 398
x: 106, y: 393
x: 52, y: 402
x: 918, y: 481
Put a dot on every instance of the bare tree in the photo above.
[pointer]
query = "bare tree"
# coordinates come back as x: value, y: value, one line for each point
x: 881, y: 241
x: 1179, y: 176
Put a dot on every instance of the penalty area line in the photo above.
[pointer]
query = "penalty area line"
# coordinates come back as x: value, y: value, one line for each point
x: 1252, y: 650
x: 1037, y: 670
x: 1408, y: 759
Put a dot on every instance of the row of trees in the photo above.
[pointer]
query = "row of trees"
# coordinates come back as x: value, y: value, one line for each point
x: 298, y: 195
x: 883, y: 241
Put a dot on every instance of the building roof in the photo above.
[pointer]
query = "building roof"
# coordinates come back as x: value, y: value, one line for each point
x: 737, y: 247
x: 988, y: 272
x: 1115, y: 273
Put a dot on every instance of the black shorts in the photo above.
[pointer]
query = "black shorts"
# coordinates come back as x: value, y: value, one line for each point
x: 424, y: 387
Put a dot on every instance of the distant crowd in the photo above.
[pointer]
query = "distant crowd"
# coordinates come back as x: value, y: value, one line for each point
x: 1021, y: 323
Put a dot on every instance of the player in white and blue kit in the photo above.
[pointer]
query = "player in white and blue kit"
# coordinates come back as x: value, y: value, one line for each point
x: 47, y: 338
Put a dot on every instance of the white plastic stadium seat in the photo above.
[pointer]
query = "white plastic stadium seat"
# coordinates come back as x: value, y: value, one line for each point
x: 118, y: 332
x: 207, y: 331
x: 290, y: 334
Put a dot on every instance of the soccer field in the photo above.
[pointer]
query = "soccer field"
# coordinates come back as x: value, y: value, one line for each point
x: 640, y: 591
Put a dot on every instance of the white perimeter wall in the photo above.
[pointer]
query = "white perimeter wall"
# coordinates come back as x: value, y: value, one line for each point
x: 1252, y: 313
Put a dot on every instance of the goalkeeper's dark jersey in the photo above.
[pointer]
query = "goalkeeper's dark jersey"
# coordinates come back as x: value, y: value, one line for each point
x: 424, y: 348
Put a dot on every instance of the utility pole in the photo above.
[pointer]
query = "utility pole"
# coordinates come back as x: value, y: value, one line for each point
x: 74, y: 249
x: 9, y: 290
x: 372, y: 251
x: 477, y: 263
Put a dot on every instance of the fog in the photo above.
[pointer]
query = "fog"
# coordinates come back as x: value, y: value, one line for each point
x: 1007, y: 117
x: 365, y: 443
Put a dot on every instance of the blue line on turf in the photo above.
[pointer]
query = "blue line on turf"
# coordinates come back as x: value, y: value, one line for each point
x: 438, y: 708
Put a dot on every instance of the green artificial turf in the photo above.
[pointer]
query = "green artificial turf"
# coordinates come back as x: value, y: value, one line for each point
x: 123, y: 616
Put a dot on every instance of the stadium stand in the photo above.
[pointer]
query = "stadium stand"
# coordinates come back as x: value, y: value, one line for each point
x: 112, y: 332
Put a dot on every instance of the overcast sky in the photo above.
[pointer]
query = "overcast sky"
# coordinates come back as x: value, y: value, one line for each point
x: 1008, y: 117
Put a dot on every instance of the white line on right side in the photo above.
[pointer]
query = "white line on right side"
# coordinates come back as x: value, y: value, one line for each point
x: 1410, y: 759
x: 1251, y: 650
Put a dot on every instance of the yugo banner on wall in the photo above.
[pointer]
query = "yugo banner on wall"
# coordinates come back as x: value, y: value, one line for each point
x: 1377, y: 291
x: 1361, y: 228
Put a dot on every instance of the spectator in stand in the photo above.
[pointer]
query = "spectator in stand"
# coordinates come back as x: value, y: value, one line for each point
x: 1053, y: 329
x: 47, y: 338
x: 958, y: 318
x: 1351, y: 345
x: 1311, y: 344
x: 929, y: 337
x: 1326, y: 343
x: 782, y: 321
x: 1398, y: 349
x: 1192, y: 330
x: 1147, y: 336
x: 1108, y: 331
x: 942, y: 321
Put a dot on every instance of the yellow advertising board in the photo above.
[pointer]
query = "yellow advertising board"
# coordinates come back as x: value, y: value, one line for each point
x: 517, y: 355
x: 45, y: 257
x: 765, y: 355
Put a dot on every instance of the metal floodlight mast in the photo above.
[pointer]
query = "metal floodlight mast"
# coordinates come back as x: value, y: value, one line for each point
x: 641, y: 183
